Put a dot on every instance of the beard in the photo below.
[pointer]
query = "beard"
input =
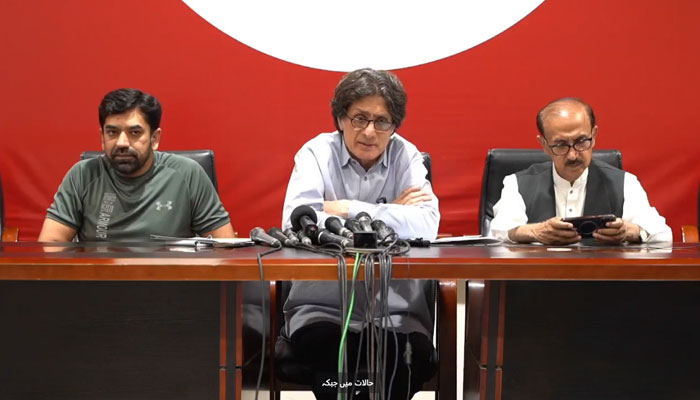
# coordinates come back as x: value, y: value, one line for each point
x: 126, y: 161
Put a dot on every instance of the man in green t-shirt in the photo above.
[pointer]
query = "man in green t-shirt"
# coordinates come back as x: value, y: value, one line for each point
x: 134, y: 191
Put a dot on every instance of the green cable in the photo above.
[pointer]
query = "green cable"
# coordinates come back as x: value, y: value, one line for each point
x: 347, y: 320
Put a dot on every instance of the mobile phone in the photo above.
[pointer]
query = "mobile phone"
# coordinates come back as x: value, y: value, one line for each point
x: 587, y: 224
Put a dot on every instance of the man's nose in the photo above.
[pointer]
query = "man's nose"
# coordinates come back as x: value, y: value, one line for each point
x: 369, y: 130
x: 123, y: 140
x: 572, y: 154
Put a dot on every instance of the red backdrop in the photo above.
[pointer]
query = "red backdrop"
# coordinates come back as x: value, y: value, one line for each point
x: 637, y: 63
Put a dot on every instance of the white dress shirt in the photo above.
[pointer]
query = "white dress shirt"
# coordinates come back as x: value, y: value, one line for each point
x: 324, y: 170
x: 509, y: 211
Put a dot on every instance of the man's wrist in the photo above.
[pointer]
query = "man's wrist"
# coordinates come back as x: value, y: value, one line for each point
x: 523, y: 233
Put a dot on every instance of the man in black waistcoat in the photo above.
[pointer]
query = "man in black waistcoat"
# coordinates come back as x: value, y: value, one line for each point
x: 534, y: 201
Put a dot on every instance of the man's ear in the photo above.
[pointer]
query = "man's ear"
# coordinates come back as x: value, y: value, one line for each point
x: 594, y: 134
x: 543, y: 143
x: 155, y: 139
x: 102, y: 139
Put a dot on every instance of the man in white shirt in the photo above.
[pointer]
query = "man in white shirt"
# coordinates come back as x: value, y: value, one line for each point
x: 534, y: 201
x: 364, y: 166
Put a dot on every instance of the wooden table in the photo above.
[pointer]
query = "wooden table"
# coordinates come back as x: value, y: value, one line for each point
x: 95, y: 262
x: 188, y: 291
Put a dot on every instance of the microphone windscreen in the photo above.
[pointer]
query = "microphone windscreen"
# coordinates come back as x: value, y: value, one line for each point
x: 325, y: 237
x: 291, y: 235
x: 300, y: 212
x: 330, y: 221
x: 353, y: 225
x: 279, y: 235
x: 365, y: 221
x: 258, y: 235
x: 334, y: 225
x: 382, y: 229
x: 363, y: 215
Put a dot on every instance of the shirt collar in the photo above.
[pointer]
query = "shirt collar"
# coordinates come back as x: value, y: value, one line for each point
x: 345, y: 156
x: 561, y: 183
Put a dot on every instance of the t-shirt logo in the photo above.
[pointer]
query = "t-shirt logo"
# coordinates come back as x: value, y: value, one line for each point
x: 105, y: 215
x: 168, y: 205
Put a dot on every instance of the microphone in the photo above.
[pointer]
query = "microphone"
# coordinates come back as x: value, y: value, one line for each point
x: 259, y: 236
x: 325, y: 236
x: 334, y: 225
x: 382, y: 229
x: 418, y: 242
x: 279, y: 235
x: 304, y: 219
x: 304, y: 239
x: 291, y: 235
x: 365, y: 221
x: 353, y: 225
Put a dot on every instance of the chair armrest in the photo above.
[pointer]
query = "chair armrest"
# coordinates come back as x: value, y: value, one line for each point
x: 690, y: 233
x: 10, y: 234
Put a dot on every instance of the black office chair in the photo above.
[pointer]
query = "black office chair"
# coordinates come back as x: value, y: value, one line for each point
x: 502, y: 162
x: 288, y: 374
x: 205, y: 158
x: 428, y: 162
x: 7, y: 233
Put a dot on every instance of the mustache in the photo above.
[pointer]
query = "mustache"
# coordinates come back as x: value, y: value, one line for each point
x: 573, y: 163
x: 124, y: 152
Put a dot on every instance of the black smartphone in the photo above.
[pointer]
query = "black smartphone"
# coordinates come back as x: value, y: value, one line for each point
x: 587, y: 224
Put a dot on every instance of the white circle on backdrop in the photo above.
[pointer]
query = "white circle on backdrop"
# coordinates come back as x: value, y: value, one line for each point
x: 344, y: 36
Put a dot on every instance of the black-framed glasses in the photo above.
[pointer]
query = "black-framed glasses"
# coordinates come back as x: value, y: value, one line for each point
x: 562, y: 149
x: 360, y: 122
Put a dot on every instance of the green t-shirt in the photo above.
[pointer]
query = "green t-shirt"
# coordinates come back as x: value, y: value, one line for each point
x: 174, y: 198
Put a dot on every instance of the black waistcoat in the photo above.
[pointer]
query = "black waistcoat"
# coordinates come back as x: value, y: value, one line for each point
x: 604, y: 190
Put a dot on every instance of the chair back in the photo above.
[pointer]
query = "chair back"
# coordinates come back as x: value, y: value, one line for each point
x: 428, y: 162
x: 205, y: 158
x: 503, y: 162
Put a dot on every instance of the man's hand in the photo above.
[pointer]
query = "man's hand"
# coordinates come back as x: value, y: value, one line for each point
x: 618, y: 231
x: 413, y: 195
x: 551, y: 231
x: 337, y: 207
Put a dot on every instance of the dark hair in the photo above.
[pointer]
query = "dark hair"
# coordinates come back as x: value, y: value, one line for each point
x: 365, y: 82
x: 122, y: 100
x: 554, y: 105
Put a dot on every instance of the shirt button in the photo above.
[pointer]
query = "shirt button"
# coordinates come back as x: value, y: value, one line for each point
x: 571, y: 191
x: 365, y: 178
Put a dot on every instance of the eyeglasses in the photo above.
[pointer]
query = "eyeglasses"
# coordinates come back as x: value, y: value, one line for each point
x: 360, y: 122
x: 562, y: 149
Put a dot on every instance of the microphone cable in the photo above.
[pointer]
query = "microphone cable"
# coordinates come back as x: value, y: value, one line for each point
x: 347, y: 316
x: 357, y: 361
x: 262, y: 305
x: 392, y: 245
x: 332, y: 250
